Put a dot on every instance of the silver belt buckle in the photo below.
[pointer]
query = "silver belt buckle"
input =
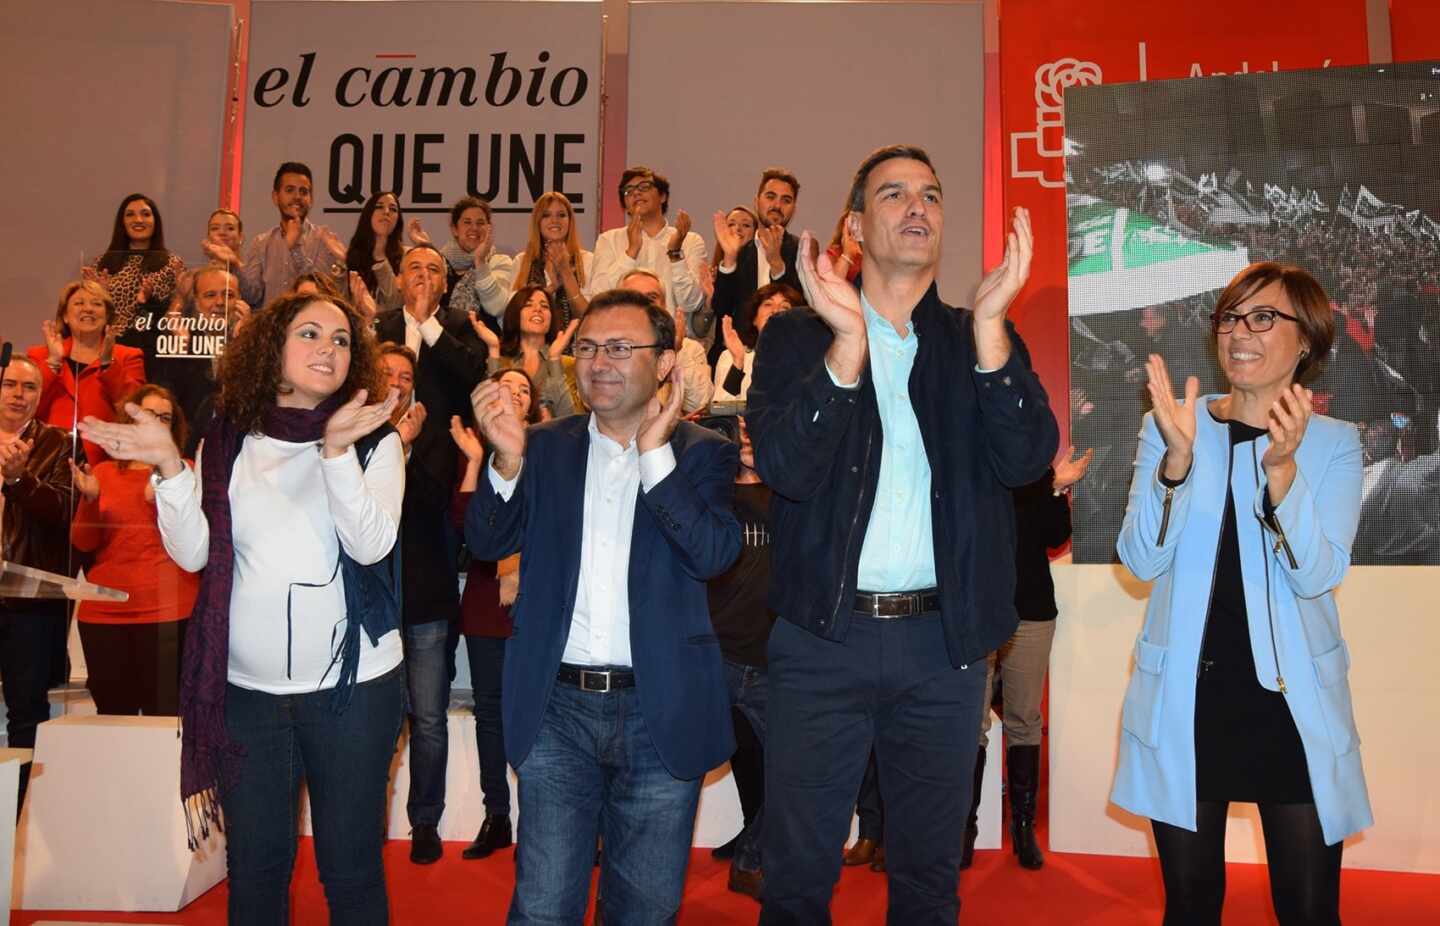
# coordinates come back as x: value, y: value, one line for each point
x: 585, y: 676
x: 875, y: 606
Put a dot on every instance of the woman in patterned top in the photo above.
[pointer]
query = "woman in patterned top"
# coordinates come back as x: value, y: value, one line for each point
x: 136, y: 269
x: 554, y: 260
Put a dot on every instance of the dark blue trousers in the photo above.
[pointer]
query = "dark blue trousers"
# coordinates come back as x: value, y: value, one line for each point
x: 888, y: 686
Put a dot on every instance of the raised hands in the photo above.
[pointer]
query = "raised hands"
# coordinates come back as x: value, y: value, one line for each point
x: 362, y: 297
x: 733, y: 344
x: 354, y: 420
x: 1001, y: 285
x: 467, y: 440
x: 416, y: 233
x: 562, y: 340
x: 1175, y: 421
x: 84, y: 481
x: 682, y: 228
x: 634, y: 235
x: 838, y: 305
x: 220, y: 253
x: 500, y: 425
x: 107, y: 346
x: 486, y: 247
x: 726, y: 240
x: 484, y: 333
x: 54, y: 343
x: 1288, y: 418
x: 411, y: 423
x: 13, y: 457
x: 290, y: 228
x: 146, y: 439
x: 771, y: 238
x: 661, y: 419
x: 1070, y: 469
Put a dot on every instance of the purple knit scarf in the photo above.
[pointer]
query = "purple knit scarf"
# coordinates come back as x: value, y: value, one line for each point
x: 209, y: 761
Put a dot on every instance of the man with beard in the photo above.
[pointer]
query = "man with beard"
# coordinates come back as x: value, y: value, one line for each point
x: 276, y: 258
x: 770, y: 259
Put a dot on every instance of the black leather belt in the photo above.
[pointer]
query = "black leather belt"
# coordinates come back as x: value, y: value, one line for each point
x: 595, y: 679
x: 897, y: 604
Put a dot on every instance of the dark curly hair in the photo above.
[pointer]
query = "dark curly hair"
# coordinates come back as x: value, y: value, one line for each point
x: 250, y: 368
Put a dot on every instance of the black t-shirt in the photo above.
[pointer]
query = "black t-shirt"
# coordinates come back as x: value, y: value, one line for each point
x: 738, y: 608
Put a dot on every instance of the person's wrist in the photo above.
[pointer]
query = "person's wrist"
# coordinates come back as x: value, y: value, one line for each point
x: 506, y: 465
x: 170, y: 467
x: 1177, y: 464
x: 330, y: 450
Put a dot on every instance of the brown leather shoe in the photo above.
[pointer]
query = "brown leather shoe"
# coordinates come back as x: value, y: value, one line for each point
x: 878, y: 862
x: 749, y: 883
x: 861, y: 853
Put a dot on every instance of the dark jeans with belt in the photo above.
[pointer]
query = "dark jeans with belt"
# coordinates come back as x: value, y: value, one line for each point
x: 888, y: 686
x: 344, y: 760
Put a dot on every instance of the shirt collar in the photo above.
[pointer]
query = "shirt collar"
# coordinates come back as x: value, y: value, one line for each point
x: 877, y: 324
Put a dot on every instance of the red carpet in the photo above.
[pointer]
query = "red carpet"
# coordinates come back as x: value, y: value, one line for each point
x: 1071, y: 889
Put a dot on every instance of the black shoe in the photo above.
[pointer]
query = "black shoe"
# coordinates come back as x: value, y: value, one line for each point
x: 1023, y: 782
x: 494, y: 834
x: 726, y: 852
x: 972, y: 829
x: 425, y: 845
x: 749, y: 883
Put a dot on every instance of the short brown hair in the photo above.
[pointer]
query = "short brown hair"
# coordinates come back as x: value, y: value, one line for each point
x: 781, y: 174
x: 179, y: 428
x: 251, y: 368
x: 70, y: 289
x: 391, y: 347
x: 1312, y: 306
x: 470, y: 202
x: 855, y: 202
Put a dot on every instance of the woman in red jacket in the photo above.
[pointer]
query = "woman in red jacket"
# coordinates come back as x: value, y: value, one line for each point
x: 85, y: 372
x: 132, y: 648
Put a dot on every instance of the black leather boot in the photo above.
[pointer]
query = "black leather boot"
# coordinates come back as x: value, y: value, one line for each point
x: 972, y: 829
x: 1023, y: 782
x: 495, y: 833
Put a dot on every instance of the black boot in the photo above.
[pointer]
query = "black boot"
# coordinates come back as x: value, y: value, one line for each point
x: 972, y: 829
x: 1023, y: 781
x: 495, y: 833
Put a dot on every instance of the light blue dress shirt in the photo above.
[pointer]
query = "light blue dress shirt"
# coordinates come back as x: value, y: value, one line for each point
x: 899, y: 550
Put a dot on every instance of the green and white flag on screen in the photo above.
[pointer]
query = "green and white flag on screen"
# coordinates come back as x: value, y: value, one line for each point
x: 1121, y: 259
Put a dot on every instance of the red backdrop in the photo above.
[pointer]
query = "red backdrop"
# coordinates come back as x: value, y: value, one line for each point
x: 1414, y: 29
x: 1048, y: 45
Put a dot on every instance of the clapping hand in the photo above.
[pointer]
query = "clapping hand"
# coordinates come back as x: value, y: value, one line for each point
x: 682, y: 228
x: 634, y: 233
x: 411, y: 423
x: 772, y: 238
x: 486, y: 247
x: 354, y: 420
x: 500, y: 425
x: 726, y: 240
x: 1175, y: 421
x: 146, y: 439
x: 467, y: 440
x: 416, y: 233
x: 219, y: 252
x: 733, y: 342
x: 54, y: 343
x: 364, y: 301
x: 84, y: 481
x: 1070, y: 469
x: 1003, y: 284
x: 1288, y: 418
x: 660, y: 420
x: 838, y: 305
x: 13, y: 457
x: 484, y: 332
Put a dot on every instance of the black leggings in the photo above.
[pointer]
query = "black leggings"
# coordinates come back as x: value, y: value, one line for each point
x: 1304, y: 872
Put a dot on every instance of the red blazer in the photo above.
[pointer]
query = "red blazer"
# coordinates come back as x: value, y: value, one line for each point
x: 96, y: 393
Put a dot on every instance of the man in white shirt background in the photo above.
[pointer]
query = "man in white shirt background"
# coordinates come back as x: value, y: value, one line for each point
x: 646, y: 241
x: 614, y: 696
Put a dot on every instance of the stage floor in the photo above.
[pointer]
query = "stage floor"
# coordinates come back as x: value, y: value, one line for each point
x: 1076, y: 890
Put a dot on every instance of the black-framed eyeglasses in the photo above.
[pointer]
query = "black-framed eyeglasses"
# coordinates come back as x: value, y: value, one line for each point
x: 644, y: 186
x: 1257, y: 321
x: 164, y: 416
x: 615, y: 350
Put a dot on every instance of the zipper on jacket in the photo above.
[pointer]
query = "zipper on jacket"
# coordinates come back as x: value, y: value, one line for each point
x: 850, y: 536
x: 1201, y: 664
x: 1269, y: 612
x: 1165, y: 515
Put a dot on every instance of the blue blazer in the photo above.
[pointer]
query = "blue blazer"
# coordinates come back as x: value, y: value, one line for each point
x: 1289, y: 577
x: 684, y: 534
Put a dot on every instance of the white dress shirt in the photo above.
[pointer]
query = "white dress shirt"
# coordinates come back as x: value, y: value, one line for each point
x: 614, y: 477
x: 428, y: 331
x: 762, y: 265
x: 680, y: 277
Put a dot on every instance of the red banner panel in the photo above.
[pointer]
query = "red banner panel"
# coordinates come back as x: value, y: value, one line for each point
x: 1414, y: 30
x: 1047, y: 46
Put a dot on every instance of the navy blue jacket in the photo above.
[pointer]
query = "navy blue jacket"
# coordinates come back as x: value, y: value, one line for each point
x: 818, y: 446
x: 684, y: 534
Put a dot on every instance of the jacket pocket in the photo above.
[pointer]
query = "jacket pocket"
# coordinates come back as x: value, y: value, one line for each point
x: 1144, y: 697
x: 1332, y: 670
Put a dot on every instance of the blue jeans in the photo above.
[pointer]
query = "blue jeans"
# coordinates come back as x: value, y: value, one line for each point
x: 345, y: 762
x: 487, y: 665
x: 594, y: 771
x: 749, y: 689
x: 427, y: 672
x: 888, y: 686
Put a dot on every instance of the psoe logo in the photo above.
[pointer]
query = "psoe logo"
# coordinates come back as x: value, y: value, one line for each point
x: 1045, y: 147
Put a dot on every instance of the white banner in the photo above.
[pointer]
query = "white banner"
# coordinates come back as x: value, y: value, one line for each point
x: 430, y: 100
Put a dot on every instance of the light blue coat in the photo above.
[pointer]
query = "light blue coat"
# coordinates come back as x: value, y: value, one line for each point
x: 1173, y: 537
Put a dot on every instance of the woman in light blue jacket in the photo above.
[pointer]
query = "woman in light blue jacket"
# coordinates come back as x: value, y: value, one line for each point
x: 1242, y: 511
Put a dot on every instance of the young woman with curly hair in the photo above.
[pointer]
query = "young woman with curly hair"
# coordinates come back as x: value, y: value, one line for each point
x: 293, y: 516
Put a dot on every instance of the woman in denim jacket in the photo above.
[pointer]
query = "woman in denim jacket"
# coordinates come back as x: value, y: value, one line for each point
x: 1242, y: 510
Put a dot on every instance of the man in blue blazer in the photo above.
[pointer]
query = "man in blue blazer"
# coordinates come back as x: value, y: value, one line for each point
x: 614, y: 696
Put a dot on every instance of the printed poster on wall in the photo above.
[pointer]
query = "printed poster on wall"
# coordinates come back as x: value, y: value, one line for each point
x: 430, y: 100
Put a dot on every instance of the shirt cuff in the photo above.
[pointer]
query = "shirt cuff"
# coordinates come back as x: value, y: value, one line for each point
x: 854, y: 385
x: 656, y: 465
x: 503, y: 487
x: 431, y: 329
x: 177, y: 487
x: 979, y: 369
x: 724, y: 269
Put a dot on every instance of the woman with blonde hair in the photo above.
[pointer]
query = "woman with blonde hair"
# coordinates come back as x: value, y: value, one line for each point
x: 554, y: 260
